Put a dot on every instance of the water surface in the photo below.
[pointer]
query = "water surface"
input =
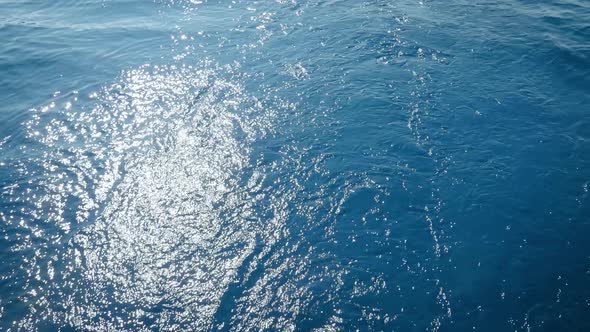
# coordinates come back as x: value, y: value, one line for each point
x: 183, y: 165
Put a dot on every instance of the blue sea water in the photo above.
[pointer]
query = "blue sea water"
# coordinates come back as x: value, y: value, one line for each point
x: 294, y: 165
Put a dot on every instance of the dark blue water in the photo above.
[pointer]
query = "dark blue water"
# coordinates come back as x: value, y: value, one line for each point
x: 300, y: 165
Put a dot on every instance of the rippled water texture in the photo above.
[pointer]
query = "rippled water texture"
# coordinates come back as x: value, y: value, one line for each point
x: 183, y: 165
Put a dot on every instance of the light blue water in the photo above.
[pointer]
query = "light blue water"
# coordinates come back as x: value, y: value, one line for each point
x: 183, y: 165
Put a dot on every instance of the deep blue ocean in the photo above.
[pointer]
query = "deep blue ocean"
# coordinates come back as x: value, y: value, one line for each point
x: 294, y: 165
